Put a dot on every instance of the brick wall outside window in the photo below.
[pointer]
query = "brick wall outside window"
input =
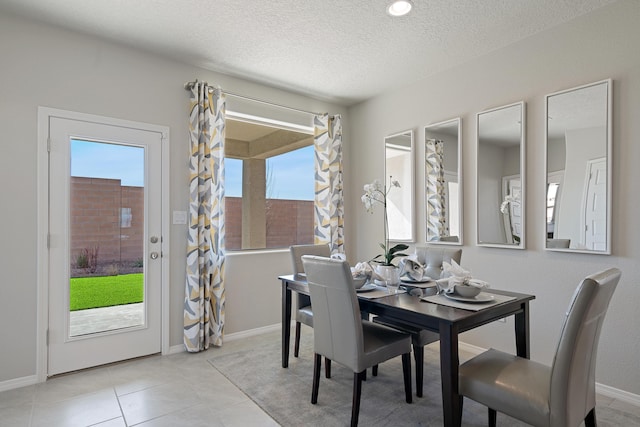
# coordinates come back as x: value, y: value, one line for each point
x: 95, y: 221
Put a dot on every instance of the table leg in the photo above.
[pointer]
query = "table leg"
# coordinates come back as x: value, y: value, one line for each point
x: 449, y: 365
x: 286, y: 323
x: 523, y: 347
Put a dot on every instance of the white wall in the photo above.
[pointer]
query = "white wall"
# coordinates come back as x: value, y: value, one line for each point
x: 46, y: 66
x: 601, y: 45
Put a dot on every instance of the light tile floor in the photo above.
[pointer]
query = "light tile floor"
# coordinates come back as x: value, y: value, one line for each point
x: 175, y: 390
x: 156, y: 391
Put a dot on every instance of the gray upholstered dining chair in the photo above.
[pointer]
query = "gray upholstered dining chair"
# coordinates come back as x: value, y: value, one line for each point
x: 560, y: 395
x: 341, y: 335
x: 304, y: 312
x: 432, y: 258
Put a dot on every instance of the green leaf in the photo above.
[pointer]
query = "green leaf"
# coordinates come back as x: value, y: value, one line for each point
x: 398, y: 247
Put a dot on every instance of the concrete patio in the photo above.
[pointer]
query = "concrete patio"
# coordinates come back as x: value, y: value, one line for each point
x: 94, y: 320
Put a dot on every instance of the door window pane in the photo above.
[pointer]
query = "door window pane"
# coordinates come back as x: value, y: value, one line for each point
x: 106, y: 288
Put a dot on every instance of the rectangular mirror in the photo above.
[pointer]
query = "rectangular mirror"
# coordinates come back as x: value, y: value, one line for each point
x: 398, y: 165
x: 443, y: 182
x: 578, y: 169
x: 500, y: 195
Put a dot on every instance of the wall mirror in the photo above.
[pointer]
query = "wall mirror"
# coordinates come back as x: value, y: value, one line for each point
x: 501, y: 177
x: 443, y: 182
x: 578, y: 169
x: 399, y: 161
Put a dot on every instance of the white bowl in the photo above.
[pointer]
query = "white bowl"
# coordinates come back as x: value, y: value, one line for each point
x: 359, y: 281
x: 467, y: 291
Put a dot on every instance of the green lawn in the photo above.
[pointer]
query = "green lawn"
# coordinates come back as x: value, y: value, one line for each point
x: 105, y: 291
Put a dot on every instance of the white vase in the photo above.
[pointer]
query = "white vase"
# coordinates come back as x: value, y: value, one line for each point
x: 389, y: 273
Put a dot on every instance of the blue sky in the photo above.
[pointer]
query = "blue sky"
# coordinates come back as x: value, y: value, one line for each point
x: 292, y: 174
x: 102, y: 160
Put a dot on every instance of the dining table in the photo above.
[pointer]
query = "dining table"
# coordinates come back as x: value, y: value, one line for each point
x: 429, y: 313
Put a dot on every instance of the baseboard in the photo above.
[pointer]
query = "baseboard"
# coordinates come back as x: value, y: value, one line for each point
x: 235, y: 336
x: 253, y: 332
x: 176, y: 349
x: 18, y: 382
x: 614, y: 393
x: 473, y: 349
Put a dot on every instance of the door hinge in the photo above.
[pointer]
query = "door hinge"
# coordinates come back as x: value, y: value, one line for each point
x: 47, y: 337
x: 48, y: 144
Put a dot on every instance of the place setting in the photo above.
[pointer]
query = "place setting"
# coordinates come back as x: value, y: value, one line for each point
x: 459, y: 289
x: 414, y: 279
x: 370, y: 284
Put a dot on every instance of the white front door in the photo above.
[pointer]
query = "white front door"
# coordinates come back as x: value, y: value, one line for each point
x: 105, y: 243
x: 512, y: 186
x: 595, y: 210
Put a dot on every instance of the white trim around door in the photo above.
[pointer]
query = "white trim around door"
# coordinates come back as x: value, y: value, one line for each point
x: 45, y: 115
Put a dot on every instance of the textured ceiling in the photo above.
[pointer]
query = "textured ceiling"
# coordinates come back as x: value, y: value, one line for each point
x: 341, y: 51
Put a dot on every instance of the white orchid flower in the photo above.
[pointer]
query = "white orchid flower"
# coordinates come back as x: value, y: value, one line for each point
x: 377, y: 192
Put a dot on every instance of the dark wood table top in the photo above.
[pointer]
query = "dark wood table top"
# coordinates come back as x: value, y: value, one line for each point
x: 414, y: 310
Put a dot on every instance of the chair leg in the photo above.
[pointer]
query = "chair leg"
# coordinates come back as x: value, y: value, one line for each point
x: 492, y: 417
x: 317, y: 362
x: 296, y: 347
x: 406, y: 371
x: 357, y: 392
x: 418, y: 355
x: 327, y: 368
x: 374, y: 370
x: 590, y: 419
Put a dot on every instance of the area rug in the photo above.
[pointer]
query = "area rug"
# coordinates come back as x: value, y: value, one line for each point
x: 254, y: 366
x: 285, y: 394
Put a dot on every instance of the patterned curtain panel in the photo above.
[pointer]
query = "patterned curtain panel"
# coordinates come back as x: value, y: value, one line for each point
x: 435, y: 190
x: 329, y: 201
x: 204, y: 291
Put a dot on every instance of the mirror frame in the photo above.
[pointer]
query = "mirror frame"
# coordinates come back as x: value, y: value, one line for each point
x: 523, y: 177
x: 458, y: 123
x: 609, y: 162
x: 407, y: 188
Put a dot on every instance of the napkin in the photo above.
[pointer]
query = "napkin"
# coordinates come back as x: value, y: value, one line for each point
x: 410, y: 268
x: 363, y: 269
x: 457, y: 276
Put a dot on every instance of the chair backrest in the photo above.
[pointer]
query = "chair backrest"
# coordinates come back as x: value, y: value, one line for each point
x: 298, y: 250
x: 558, y: 243
x: 432, y: 258
x: 572, y: 393
x: 337, y: 326
x: 296, y: 261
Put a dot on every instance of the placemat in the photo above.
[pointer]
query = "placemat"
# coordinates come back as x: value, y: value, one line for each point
x: 443, y: 300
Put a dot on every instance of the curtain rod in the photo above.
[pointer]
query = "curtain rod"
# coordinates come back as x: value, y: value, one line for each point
x: 189, y: 86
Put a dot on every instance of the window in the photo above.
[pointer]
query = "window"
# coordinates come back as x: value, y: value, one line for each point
x: 269, y: 184
x: 125, y: 217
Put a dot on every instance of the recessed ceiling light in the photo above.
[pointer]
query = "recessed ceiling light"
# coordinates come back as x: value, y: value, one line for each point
x: 399, y: 7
